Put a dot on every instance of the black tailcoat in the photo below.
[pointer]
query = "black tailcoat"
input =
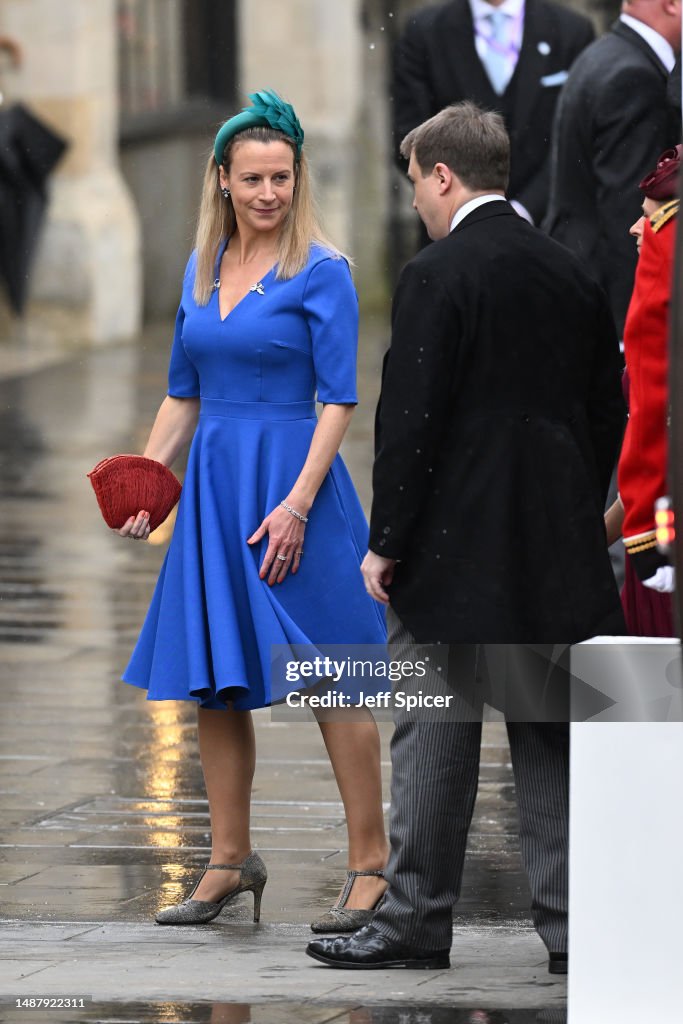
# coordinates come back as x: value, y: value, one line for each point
x: 498, y: 426
x: 436, y: 64
x: 613, y: 121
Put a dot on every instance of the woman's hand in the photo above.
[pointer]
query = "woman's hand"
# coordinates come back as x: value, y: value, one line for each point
x: 285, y: 544
x: 137, y: 527
x: 614, y: 522
x: 173, y: 428
x: 286, y: 532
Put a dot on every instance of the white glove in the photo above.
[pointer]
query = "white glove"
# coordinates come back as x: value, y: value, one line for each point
x: 663, y: 581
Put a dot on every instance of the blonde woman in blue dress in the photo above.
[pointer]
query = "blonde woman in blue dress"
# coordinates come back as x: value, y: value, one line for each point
x: 269, y: 534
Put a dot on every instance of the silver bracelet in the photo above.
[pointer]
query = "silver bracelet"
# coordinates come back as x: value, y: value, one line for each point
x: 293, y: 512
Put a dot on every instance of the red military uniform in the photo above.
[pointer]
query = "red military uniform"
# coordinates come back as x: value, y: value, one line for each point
x: 643, y: 462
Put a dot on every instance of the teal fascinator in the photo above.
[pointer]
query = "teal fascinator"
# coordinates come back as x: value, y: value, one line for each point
x: 270, y: 111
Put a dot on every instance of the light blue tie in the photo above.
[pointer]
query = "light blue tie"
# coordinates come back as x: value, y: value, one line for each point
x: 496, y: 59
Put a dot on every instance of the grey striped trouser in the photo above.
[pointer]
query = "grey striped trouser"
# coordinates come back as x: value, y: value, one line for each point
x: 435, y: 774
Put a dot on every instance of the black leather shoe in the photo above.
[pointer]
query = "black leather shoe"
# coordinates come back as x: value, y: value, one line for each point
x: 369, y: 950
x: 557, y: 963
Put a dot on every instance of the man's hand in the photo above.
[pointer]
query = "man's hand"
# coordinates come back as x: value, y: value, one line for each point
x: 378, y: 573
x: 663, y: 581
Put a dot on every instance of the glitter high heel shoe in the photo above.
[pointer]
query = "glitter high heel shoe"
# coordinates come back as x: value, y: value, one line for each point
x: 341, y: 919
x: 253, y: 877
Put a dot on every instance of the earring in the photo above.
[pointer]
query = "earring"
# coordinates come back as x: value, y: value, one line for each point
x: 226, y: 193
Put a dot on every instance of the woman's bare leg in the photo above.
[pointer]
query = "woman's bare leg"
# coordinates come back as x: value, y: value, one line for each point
x: 228, y: 754
x: 354, y: 751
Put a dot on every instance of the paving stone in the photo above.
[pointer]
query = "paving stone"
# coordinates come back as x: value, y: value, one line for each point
x: 245, y: 962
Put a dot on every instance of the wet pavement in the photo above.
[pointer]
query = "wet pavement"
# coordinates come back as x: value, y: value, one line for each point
x: 102, y: 815
x: 285, y: 1013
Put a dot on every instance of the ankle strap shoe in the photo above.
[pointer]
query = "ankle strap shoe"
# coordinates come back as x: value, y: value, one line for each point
x: 341, y: 919
x: 253, y: 877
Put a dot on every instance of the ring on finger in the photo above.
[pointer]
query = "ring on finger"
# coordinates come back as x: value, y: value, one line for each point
x: 281, y: 558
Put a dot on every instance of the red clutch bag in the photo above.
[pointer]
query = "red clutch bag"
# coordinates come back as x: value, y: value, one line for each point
x: 127, y: 484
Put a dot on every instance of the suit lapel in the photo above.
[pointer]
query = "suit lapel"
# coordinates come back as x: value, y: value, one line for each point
x: 624, y: 32
x: 530, y: 65
x: 468, y: 71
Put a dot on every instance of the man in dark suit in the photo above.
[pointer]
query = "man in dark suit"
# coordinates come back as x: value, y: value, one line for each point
x: 499, y: 422
x: 505, y: 55
x: 613, y: 120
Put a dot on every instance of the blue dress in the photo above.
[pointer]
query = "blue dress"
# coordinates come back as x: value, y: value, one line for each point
x: 209, y: 629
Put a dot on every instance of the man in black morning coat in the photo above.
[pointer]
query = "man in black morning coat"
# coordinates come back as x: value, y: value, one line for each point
x: 442, y: 57
x: 613, y: 120
x: 499, y: 422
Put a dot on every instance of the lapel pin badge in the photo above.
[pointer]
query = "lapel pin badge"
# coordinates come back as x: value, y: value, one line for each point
x: 543, y: 48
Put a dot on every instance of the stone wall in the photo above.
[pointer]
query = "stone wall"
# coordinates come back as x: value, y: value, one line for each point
x: 85, y: 284
x: 310, y: 51
x: 165, y: 178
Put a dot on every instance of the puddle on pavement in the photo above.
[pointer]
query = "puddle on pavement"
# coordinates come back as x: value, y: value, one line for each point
x: 280, y: 1013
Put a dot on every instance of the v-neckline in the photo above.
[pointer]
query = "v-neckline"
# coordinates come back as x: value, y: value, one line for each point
x: 246, y: 295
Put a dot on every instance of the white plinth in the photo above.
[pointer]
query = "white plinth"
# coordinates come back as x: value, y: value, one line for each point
x: 626, y: 869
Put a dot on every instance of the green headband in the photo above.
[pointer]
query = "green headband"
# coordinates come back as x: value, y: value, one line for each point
x: 268, y: 111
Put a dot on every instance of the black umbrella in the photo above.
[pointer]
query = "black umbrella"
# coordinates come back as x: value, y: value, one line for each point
x: 28, y: 152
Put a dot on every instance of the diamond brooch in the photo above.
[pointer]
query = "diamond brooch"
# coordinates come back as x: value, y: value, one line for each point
x: 258, y: 287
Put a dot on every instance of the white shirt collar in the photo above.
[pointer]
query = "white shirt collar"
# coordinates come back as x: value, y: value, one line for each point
x: 471, y: 205
x: 481, y: 9
x: 662, y: 48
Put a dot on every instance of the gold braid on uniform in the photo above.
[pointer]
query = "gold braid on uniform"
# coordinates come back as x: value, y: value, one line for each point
x: 664, y: 215
x: 643, y: 542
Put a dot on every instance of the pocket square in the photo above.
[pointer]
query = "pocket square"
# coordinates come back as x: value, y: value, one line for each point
x: 557, y: 78
x: 126, y: 484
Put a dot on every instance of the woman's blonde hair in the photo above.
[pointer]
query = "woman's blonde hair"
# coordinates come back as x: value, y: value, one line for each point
x: 300, y: 228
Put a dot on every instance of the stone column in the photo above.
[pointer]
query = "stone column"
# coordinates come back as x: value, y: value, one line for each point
x: 310, y: 52
x: 86, y: 283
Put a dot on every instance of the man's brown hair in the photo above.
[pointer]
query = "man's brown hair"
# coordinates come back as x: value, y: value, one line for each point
x: 471, y: 141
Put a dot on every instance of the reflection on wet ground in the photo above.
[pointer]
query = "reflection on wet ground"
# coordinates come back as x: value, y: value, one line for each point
x: 286, y: 1013
x: 102, y: 815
